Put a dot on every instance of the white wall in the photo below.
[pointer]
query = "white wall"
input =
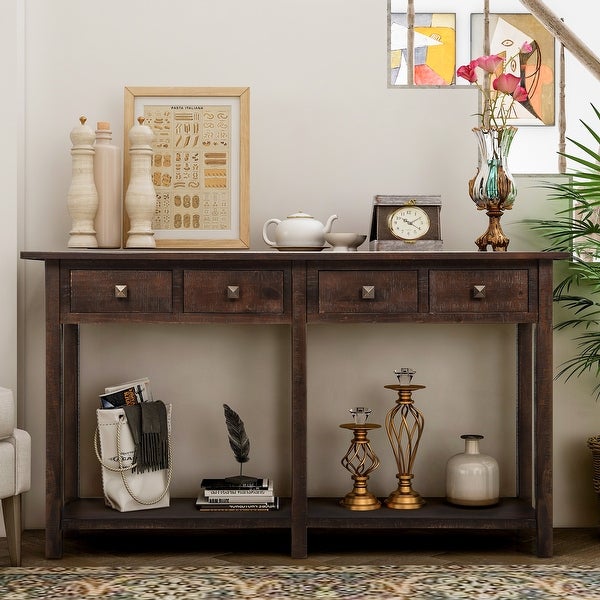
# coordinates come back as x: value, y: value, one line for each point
x: 10, y: 99
x: 9, y: 51
x: 326, y: 136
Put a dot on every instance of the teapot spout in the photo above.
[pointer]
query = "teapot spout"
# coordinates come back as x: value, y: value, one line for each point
x: 327, y: 228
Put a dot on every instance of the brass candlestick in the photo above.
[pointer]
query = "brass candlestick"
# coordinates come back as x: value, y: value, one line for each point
x: 361, y: 461
x: 404, y: 437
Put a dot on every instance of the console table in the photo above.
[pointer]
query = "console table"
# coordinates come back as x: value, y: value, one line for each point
x: 299, y: 289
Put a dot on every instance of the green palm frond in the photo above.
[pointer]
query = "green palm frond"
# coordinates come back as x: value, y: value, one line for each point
x: 584, y: 189
x: 588, y: 359
x: 570, y: 234
x: 576, y: 229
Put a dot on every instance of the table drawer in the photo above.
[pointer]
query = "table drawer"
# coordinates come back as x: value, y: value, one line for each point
x: 118, y: 291
x: 368, y: 291
x: 496, y: 290
x: 233, y: 292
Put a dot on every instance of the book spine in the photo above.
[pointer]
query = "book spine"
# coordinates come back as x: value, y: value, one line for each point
x: 239, y: 500
x: 221, y: 484
x: 234, y: 506
x: 205, y: 508
x: 249, y: 492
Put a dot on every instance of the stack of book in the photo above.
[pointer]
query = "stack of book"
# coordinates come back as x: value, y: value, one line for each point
x: 224, y: 495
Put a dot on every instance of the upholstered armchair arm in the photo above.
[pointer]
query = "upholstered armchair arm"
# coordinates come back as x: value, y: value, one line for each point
x: 22, y: 443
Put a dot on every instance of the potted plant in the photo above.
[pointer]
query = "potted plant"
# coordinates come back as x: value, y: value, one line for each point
x: 576, y: 229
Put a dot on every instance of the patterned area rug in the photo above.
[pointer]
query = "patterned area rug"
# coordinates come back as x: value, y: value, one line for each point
x: 431, y: 582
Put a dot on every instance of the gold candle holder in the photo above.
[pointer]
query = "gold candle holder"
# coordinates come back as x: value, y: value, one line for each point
x: 404, y: 436
x: 361, y: 461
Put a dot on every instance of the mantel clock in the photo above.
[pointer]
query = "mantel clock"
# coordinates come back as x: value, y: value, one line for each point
x: 409, y: 223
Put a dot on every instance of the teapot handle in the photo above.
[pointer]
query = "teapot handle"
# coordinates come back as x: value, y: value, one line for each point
x: 264, y: 232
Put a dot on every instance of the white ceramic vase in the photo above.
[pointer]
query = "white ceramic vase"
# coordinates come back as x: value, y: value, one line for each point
x: 472, y: 478
x: 140, y: 199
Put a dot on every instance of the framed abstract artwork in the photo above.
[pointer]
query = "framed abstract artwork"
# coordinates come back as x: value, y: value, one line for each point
x: 536, y: 69
x: 200, y: 163
x: 434, y: 49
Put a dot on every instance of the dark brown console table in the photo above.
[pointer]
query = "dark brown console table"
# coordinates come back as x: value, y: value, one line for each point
x: 299, y: 289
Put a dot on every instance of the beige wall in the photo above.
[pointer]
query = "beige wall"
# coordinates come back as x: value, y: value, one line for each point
x: 9, y: 98
x: 326, y: 136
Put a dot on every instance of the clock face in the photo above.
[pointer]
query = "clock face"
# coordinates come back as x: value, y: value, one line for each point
x: 409, y: 223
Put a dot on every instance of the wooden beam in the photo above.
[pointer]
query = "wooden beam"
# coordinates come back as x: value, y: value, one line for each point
x: 486, y: 27
x: 562, y: 114
x: 410, y: 42
x: 560, y: 31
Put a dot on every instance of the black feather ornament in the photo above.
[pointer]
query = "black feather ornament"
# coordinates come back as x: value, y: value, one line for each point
x: 239, y: 442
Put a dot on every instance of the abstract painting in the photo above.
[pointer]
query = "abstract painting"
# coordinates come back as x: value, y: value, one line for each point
x: 434, y: 56
x: 536, y: 69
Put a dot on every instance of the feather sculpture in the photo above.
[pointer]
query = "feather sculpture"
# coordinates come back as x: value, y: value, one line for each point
x: 239, y: 442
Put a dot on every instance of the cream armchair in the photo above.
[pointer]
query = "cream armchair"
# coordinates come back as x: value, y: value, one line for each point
x: 15, y: 472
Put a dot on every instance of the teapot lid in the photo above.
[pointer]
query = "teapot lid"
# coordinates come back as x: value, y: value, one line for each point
x: 300, y: 215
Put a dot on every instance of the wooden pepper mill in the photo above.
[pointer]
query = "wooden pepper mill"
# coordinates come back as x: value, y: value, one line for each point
x: 82, y: 198
x: 140, y: 199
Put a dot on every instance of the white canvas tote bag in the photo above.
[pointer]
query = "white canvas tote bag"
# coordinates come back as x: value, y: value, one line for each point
x: 125, y: 489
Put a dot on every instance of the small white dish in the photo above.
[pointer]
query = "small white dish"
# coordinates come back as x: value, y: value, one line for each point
x: 345, y: 242
x: 299, y: 248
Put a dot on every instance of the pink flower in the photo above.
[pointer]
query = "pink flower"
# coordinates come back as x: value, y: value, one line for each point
x: 506, y: 83
x: 489, y: 63
x: 527, y: 48
x: 520, y: 94
x: 468, y: 72
x: 504, y: 91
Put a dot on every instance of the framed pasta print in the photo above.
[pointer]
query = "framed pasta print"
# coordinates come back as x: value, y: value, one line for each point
x: 200, y: 163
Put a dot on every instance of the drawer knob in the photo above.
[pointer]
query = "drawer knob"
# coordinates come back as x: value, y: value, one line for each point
x: 368, y: 292
x: 233, y: 292
x: 478, y: 291
x: 120, y: 291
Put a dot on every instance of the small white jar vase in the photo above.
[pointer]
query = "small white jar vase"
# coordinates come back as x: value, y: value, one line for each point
x: 82, y: 197
x: 140, y: 199
x: 472, y: 478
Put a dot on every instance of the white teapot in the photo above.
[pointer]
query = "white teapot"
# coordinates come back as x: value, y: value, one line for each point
x: 298, y: 231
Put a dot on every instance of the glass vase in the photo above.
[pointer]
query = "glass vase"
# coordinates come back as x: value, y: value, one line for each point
x: 493, y: 188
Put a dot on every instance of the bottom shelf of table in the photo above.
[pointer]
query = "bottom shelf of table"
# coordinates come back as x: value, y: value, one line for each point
x: 509, y: 513
x: 324, y: 513
x: 182, y: 514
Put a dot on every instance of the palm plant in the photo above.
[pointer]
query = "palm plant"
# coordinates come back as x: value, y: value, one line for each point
x: 576, y: 229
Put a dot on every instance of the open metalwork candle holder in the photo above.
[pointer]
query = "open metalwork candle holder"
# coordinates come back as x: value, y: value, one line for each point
x: 360, y: 460
x: 404, y: 426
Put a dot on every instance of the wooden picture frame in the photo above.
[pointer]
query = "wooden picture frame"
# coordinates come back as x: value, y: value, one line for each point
x: 200, y: 163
